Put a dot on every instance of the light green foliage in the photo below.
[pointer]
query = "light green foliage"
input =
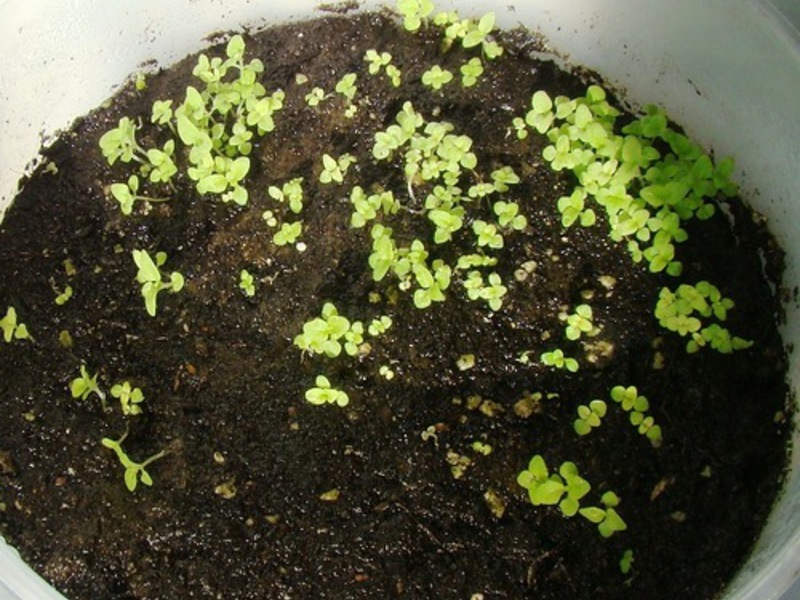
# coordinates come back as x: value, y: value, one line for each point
x: 557, y: 359
x: 334, y: 169
x: 482, y: 448
x: 324, y: 334
x: 646, y: 196
x: 128, y: 193
x: 12, y: 328
x: 366, y: 208
x: 414, y: 12
x: 152, y: 280
x: 383, y: 60
x: 469, y: 32
x: 288, y: 233
x: 64, y: 297
x: 565, y: 488
x: 436, y: 77
x: 134, y: 471
x: 471, y: 71
x: 84, y: 386
x: 492, y: 291
x: 637, y: 406
x: 129, y: 398
x: 323, y: 393
x: 508, y: 215
x: 519, y: 127
x: 579, y: 322
x: 379, y: 326
x: 681, y: 311
x: 291, y: 192
x: 607, y: 518
x: 120, y: 143
x: 590, y: 416
x: 626, y: 562
x: 487, y: 234
x: 247, y: 283
x: 315, y: 96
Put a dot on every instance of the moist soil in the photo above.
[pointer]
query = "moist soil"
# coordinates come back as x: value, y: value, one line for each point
x: 264, y: 495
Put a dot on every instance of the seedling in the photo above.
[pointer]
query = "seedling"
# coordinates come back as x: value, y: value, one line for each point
x: 637, y: 406
x: 64, y: 296
x: 315, y: 96
x: 564, y: 489
x: 323, y: 393
x: 134, y: 472
x: 508, y: 215
x: 291, y: 192
x: 128, y: 193
x: 482, y: 448
x: 334, y: 170
x: 288, y: 233
x: 557, y: 359
x: 129, y: 398
x: 579, y: 323
x: 626, y: 562
x: 12, y: 329
x: 436, y: 77
x: 471, y: 71
x: 679, y: 311
x: 323, y: 335
x: 379, y: 326
x: 84, y: 386
x: 590, y: 416
x: 247, y: 283
x: 152, y: 280
x: 414, y: 12
x: 607, y: 519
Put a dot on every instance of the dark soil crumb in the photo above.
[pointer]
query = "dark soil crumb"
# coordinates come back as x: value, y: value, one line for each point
x: 263, y: 495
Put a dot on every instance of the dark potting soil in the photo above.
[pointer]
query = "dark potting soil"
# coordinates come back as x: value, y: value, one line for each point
x: 264, y: 495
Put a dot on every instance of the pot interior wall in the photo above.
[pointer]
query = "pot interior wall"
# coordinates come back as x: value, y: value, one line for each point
x: 728, y: 71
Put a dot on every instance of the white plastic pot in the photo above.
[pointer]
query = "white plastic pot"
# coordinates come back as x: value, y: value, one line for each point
x: 727, y: 70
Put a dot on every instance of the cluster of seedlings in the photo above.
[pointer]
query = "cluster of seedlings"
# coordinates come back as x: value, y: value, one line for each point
x: 646, y: 179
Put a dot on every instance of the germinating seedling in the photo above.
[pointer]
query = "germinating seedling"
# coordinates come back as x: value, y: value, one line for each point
x: 128, y: 193
x: 129, y: 398
x: 152, y: 280
x: 323, y: 393
x: 557, y: 359
x: 84, y: 386
x: 247, y: 283
x: 134, y: 471
x: 12, y: 328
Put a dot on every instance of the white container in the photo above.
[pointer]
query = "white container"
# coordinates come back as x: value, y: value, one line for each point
x: 727, y: 70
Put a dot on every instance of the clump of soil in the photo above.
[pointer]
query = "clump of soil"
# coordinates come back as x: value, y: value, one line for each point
x: 263, y: 495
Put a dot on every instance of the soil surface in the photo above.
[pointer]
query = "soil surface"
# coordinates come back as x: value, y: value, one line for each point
x: 264, y: 495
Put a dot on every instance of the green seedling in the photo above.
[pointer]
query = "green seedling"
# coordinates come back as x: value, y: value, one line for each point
x: 288, y: 233
x: 482, y: 448
x: 377, y: 61
x: 134, y: 472
x: 346, y: 86
x: 626, y: 562
x: 334, y: 170
x: 508, y: 215
x: 120, y: 143
x: 324, y: 334
x: 487, y: 235
x: 64, y: 296
x: 291, y: 192
x: 607, y: 519
x: 128, y: 193
x: 152, y: 280
x: 379, y: 326
x: 129, y: 398
x: 590, y: 416
x: 414, y: 12
x: 323, y: 393
x: 471, y: 72
x: 247, y: 283
x: 436, y: 77
x: 565, y: 489
x: 558, y: 360
x: 84, y: 386
x: 315, y: 97
x: 12, y: 328
x: 579, y: 323
x: 680, y: 311
x: 637, y: 406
